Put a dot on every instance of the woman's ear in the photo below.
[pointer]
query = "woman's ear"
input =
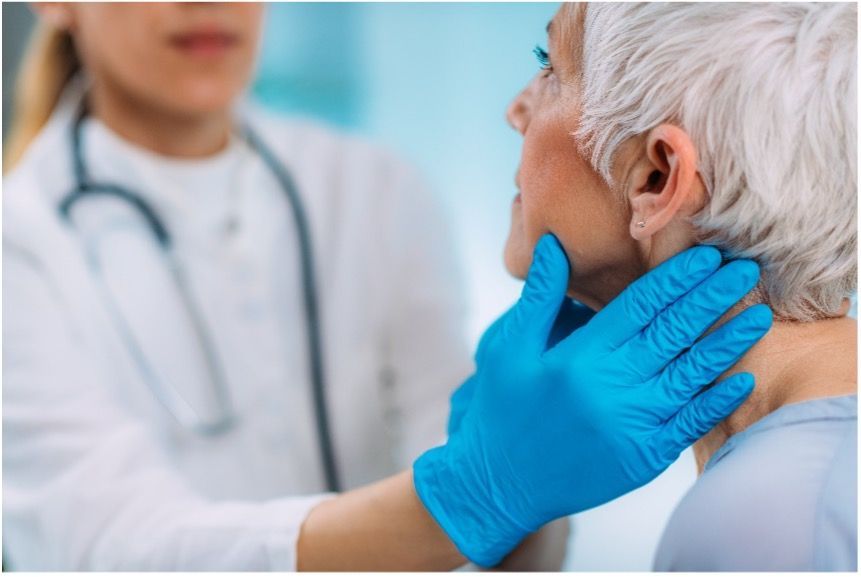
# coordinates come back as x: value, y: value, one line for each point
x: 663, y: 181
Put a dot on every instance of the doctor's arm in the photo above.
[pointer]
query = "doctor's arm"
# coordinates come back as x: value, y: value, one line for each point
x: 87, y: 487
x: 547, y: 431
x: 86, y: 484
x: 385, y: 526
x: 425, y: 345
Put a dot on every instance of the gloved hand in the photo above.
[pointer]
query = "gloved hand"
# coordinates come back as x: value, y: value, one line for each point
x: 551, y: 432
x: 572, y: 315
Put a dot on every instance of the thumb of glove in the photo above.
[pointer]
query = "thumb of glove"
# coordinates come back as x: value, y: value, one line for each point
x: 542, y: 296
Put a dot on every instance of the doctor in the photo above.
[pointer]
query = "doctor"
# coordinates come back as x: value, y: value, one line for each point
x: 221, y: 330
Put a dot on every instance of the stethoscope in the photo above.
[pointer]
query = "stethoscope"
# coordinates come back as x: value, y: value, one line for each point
x: 168, y: 396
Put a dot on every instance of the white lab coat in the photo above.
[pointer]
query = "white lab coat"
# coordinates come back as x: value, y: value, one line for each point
x: 96, y: 474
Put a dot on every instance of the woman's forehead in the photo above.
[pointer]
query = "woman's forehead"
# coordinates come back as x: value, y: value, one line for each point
x: 566, y: 34
x: 569, y: 19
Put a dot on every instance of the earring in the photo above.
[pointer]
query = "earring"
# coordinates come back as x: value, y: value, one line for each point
x: 641, y: 224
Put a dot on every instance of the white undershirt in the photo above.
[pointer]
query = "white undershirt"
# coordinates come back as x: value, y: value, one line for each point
x: 233, y: 237
x: 197, y: 196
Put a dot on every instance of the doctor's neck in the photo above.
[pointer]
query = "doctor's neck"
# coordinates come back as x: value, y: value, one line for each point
x: 165, y: 132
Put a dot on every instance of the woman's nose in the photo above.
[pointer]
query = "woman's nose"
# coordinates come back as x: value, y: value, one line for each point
x: 517, y: 113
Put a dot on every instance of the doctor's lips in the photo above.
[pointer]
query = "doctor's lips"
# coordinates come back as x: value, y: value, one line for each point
x: 205, y: 42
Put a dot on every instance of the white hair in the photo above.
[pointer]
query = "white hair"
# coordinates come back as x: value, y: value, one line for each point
x: 767, y: 93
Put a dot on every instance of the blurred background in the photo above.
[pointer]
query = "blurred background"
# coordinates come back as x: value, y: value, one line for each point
x: 432, y: 81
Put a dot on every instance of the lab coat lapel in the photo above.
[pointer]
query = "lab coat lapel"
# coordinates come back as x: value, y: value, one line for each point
x: 164, y: 335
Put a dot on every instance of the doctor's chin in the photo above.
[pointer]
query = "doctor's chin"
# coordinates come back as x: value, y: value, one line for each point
x: 429, y: 287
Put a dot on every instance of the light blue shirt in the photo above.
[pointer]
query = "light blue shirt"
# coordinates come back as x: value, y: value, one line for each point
x: 779, y: 496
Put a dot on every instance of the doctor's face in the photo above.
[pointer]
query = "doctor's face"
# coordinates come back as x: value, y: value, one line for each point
x: 180, y: 58
x: 559, y: 191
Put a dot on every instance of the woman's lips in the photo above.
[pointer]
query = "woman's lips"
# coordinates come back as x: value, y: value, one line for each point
x: 516, y: 198
x: 207, y: 43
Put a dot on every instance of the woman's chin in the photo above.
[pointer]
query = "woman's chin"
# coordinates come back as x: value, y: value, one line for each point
x: 517, y: 257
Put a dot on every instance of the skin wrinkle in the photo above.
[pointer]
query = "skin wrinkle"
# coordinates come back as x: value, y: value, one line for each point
x: 561, y: 193
x: 571, y: 28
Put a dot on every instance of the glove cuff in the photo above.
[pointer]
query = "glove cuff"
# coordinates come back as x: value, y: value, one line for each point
x: 482, y: 532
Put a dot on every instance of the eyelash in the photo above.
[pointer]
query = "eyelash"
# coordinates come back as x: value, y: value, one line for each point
x: 543, y: 58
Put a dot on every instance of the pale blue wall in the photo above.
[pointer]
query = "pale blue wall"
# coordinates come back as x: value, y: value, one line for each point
x: 431, y: 81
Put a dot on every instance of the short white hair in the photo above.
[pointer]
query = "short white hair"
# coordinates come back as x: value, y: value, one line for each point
x: 767, y: 93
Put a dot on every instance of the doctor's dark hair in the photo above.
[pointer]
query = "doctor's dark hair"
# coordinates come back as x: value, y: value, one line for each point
x: 767, y: 92
x: 49, y: 63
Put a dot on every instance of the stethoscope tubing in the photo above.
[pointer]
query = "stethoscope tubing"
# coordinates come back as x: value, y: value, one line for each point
x: 172, y: 401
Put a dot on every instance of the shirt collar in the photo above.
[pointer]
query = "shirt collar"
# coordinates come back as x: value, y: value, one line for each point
x: 840, y: 408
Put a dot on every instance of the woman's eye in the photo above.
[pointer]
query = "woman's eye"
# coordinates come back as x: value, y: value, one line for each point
x: 543, y: 58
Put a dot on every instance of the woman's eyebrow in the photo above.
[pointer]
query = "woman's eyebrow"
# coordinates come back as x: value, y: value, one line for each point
x: 549, y: 28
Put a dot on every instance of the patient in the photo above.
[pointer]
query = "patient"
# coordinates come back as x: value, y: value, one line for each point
x: 655, y: 127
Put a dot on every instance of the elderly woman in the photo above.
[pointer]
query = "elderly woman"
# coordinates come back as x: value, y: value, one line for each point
x: 655, y: 127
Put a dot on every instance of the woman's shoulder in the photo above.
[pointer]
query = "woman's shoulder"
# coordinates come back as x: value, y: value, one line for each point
x: 759, y: 506
x: 26, y: 204
x: 31, y: 195
x: 34, y: 186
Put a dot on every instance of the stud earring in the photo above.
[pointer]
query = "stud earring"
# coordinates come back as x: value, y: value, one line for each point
x: 641, y: 224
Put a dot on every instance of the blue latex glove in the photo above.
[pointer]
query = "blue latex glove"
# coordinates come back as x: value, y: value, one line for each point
x: 543, y: 433
x: 572, y: 315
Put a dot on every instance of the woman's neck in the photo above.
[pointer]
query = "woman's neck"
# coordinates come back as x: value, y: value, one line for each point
x: 794, y: 362
x: 161, y: 131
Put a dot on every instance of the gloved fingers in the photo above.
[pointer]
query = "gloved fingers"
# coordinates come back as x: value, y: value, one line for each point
x: 543, y: 293
x: 639, y: 304
x: 701, y: 415
x: 714, y: 355
x: 681, y: 324
x: 572, y: 315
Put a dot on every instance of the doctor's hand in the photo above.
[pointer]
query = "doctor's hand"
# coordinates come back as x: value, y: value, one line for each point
x: 545, y: 432
x: 572, y: 315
